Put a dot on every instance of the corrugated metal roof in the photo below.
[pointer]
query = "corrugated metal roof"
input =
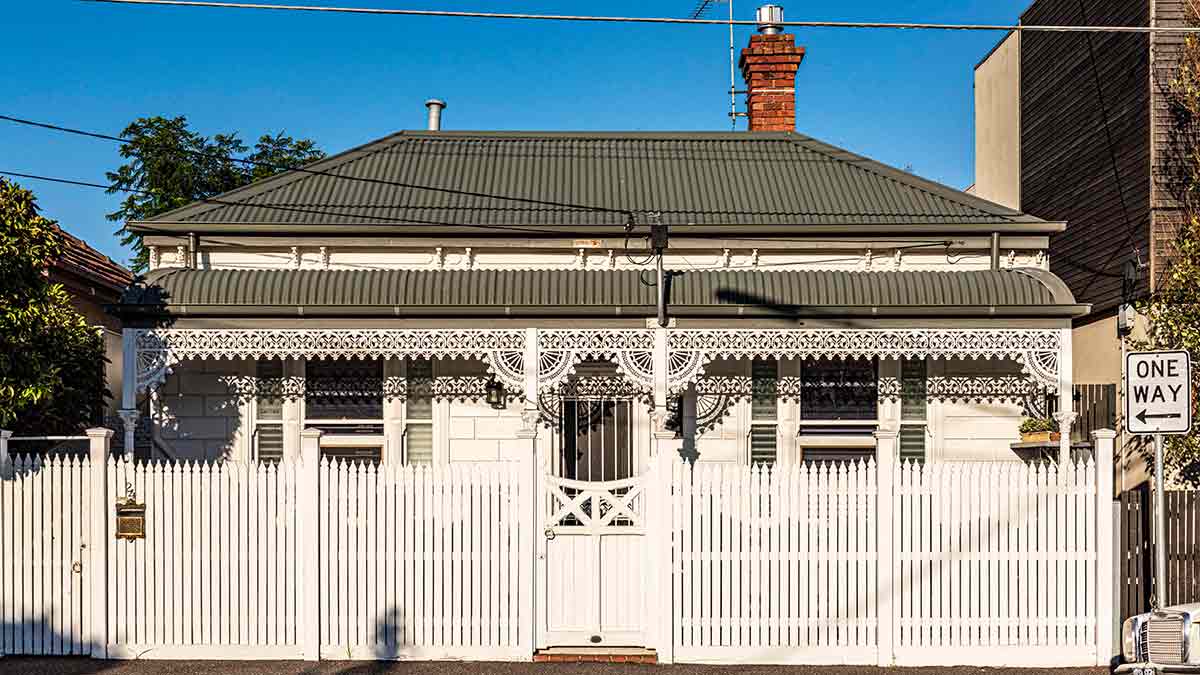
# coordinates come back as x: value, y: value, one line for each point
x: 573, y: 292
x: 593, y: 179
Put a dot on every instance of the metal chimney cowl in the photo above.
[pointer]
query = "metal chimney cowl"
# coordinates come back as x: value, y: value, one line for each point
x: 770, y: 19
x: 436, y: 106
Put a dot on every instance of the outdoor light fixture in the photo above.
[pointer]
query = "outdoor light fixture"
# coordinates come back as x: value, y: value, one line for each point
x: 495, y: 394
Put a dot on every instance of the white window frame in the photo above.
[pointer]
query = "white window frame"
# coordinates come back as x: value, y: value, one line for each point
x: 863, y: 442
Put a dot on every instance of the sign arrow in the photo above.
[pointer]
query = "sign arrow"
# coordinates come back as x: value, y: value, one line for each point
x: 1142, y: 416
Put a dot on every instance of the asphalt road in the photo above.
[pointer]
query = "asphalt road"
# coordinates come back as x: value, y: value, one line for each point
x: 71, y: 666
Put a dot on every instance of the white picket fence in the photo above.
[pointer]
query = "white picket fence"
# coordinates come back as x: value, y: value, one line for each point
x: 215, y: 574
x: 982, y: 564
x: 997, y: 558
x: 777, y: 565
x: 993, y: 562
x: 420, y: 562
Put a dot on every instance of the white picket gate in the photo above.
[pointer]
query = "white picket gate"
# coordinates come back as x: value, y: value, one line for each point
x: 45, y: 607
x: 420, y: 562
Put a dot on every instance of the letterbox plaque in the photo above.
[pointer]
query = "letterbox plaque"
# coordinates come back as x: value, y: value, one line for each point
x: 131, y: 520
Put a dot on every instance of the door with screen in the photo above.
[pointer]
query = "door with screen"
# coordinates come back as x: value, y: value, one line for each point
x: 592, y: 553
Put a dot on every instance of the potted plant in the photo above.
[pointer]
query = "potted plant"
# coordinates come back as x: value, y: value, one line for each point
x: 1039, y: 430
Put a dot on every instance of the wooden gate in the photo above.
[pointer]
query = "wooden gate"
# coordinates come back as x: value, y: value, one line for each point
x: 45, y: 603
x: 592, y: 554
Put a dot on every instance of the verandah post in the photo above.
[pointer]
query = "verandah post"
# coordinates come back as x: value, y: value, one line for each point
x: 660, y: 528
x: 888, y: 579
x: 1106, y: 615
x: 99, y: 441
x: 308, y: 491
x: 528, y: 502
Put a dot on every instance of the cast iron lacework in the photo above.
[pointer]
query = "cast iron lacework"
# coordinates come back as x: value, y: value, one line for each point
x: 715, y: 395
x: 159, y: 350
x: 589, y: 388
x: 1035, y: 349
x: 454, y: 388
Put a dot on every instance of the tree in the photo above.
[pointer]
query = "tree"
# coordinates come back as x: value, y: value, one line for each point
x: 171, y: 166
x: 51, y: 360
x: 1173, y: 310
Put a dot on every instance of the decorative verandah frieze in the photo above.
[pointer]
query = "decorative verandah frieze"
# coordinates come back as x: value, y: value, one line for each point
x: 658, y: 363
x: 559, y: 351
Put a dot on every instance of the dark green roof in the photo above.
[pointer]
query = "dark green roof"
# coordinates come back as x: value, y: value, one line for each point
x: 605, y: 293
x: 454, y: 182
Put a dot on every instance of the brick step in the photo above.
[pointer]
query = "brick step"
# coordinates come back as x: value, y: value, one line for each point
x: 596, y: 655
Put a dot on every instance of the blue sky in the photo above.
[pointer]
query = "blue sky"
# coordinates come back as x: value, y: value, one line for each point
x: 903, y: 97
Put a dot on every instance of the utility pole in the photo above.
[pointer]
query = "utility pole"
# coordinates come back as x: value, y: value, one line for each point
x: 659, y: 241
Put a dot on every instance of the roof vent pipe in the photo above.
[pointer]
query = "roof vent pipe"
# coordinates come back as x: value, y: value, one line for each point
x: 435, y: 113
x: 770, y: 19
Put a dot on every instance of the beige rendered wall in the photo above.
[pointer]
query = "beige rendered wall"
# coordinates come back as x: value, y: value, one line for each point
x: 1097, y: 352
x: 998, y: 124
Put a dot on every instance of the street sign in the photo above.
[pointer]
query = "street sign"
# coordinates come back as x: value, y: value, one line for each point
x: 1158, y: 393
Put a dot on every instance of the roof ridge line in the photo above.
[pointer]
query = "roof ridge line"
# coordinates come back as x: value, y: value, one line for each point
x: 889, y: 172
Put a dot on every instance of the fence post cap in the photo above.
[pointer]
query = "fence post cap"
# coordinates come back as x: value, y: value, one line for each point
x: 99, y: 432
x: 1104, y: 434
x: 889, y: 431
x: 5, y: 434
x: 311, y: 433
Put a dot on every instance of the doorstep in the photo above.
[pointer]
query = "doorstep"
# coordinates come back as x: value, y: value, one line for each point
x: 596, y: 655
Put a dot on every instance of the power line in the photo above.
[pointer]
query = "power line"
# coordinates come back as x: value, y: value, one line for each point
x: 659, y: 20
x: 327, y: 174
x: 383, y: 220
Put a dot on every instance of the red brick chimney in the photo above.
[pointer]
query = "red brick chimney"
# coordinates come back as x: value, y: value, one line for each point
x: 769, y: 67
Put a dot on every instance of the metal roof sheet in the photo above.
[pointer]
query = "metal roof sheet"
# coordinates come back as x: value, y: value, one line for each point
x: 625, y: 292
x: 576, y: 180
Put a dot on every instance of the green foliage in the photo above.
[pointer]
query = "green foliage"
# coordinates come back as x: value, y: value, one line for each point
x: 1173, y: 310
x: 51, y: 361
x: 169, y: 165
x: 1033, y: 425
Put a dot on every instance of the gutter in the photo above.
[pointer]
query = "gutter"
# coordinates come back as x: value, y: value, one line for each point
x: 336, y: 230
x: 621, y: 311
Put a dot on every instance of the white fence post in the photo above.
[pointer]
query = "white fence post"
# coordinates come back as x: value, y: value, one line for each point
x: 1106, y: 610
x: 888, y: 579
x: 308, y: 490
x: 99, y: 440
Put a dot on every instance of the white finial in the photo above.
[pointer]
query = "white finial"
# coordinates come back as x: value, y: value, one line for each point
x: 581, y: 259
x: 612, y: 260
x: 439, y: 258
x: 897, y: 258
x: 324, y: 257
x: 296, y: 256
x: 868, y: 257
x: 725, y: 258
x: 754, y: 258
x: 468, y: 258
x: 1012, y: 259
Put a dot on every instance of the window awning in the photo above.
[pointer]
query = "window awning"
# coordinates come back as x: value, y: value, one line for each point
x: 1017, y: 293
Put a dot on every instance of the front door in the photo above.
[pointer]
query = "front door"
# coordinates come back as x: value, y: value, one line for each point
x: 593, y: 551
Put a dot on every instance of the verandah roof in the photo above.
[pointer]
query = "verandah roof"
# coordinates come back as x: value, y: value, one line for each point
x: 608, y: 293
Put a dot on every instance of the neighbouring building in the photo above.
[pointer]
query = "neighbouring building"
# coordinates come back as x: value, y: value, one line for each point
x: 1077, y: 127
x: 95, y: 282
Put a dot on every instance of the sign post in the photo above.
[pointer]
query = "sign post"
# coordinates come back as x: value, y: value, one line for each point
x: 1158, y: 402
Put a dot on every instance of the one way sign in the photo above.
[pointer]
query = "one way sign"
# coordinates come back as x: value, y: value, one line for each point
x: 1158, y: 393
